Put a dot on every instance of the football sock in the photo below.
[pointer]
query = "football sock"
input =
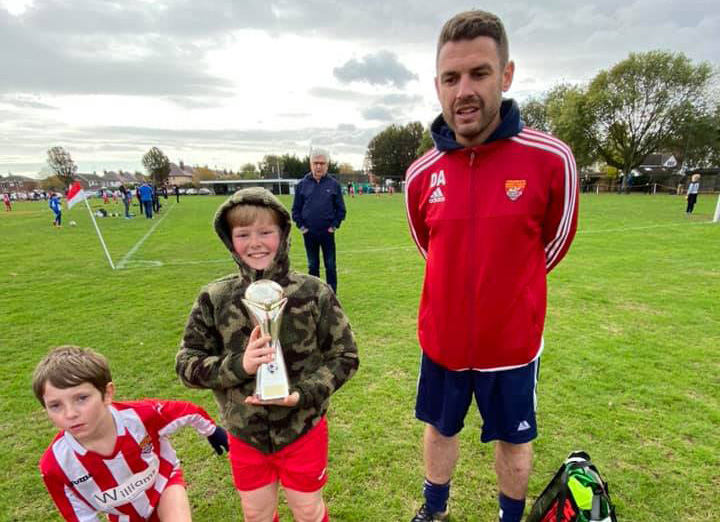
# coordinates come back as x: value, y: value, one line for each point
x: 436, y: 496
x: 511, y: 510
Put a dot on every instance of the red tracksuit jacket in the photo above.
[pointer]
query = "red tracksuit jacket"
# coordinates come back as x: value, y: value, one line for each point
x: 490, y: 221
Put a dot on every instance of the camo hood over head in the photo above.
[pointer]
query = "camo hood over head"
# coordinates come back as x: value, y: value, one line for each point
x: 262, y: 198
x: 317, y: 342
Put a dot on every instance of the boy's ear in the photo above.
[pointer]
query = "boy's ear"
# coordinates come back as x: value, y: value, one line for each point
x: 109, y: 393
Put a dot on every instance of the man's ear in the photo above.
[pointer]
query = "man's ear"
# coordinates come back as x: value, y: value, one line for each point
x: 508, y: 74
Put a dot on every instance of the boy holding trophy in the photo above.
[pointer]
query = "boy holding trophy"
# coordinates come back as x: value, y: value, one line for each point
x: 273, y: 345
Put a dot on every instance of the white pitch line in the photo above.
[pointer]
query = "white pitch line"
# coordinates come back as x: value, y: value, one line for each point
x: 137, y: 245
x: 627, y: 229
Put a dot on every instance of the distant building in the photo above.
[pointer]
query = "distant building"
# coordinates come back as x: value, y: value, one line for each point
x: 16, y: 183
x: 90, y: 181
x: 112, y: 179
x: 180, y: 175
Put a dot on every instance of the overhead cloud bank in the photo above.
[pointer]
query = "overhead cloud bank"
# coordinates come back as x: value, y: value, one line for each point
x: 370, y: 63
x: 382, y: 68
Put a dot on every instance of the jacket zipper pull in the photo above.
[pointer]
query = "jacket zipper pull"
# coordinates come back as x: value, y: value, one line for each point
x: 472, y: 158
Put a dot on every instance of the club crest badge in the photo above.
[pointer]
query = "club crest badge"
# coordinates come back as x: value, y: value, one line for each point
x: 514, y: 188
x: 146, y: 445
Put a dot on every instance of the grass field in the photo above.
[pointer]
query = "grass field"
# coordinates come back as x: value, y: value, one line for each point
x: 630, y: 372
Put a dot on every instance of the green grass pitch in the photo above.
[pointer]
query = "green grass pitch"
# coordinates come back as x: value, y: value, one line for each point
x: 630, y: 371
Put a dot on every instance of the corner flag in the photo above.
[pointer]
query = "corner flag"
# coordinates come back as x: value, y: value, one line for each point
x: 75, y: 194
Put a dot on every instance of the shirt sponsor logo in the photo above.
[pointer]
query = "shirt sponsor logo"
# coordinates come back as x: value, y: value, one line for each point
x: 514, y: 188
x: 130, y: 489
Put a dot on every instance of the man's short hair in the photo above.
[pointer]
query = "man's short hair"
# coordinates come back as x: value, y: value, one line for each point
x: 244, y: 215
x: 315, y: 153
x: 68, y: 366
x: 471, y: 24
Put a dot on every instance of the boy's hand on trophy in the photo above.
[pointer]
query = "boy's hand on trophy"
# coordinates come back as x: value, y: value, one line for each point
x: 257, y: 352
x: 289, y: 401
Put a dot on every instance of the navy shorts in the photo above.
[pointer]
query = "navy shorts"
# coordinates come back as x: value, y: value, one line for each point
x: 506, y: 400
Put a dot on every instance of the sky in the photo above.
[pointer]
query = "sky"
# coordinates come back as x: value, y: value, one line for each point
x: 225, y: 82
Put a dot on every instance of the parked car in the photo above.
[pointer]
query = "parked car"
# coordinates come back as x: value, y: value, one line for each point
x: 191, y: 192
x: 204, y: 192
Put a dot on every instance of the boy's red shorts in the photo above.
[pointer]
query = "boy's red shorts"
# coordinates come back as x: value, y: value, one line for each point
x: 301, y: 466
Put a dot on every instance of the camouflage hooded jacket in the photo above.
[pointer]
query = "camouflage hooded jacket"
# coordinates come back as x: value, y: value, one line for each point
x: 317, y: 342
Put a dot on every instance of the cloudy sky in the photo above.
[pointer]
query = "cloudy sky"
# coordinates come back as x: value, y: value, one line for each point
x: 224, y: 82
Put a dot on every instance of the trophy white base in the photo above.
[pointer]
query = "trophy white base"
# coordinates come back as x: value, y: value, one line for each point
x: 271, y: 381
x: 272, y: 391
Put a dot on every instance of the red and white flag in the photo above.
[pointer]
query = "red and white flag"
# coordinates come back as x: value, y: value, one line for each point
x: 75, y: 194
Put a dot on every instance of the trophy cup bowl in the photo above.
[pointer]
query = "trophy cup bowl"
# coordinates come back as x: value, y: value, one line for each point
x: 265, y: 301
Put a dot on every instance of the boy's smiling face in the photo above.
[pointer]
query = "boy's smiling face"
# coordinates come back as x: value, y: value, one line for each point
x: 79, y: 410
x: 257, y: 243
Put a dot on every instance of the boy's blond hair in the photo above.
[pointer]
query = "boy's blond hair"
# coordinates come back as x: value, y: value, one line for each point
x: 68, y: 366
x: 244, y: 215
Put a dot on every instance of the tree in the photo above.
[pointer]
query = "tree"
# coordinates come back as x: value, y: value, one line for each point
x: 636, y: 107
x: 534, y: 114
x: 697, y: 143
x: 62, y: 165
x: 568, y: 120
x: 426, y: 143
x: 270, y: 166
x: 345, y: 168
x: 52, y: 183
x: 292, y: 166
x: 157, y: 165
x: 248, y: 171
x: 202, y: 174
x: 391, y: 152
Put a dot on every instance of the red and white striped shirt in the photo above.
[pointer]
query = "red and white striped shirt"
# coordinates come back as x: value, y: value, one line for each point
x: 126, y: 484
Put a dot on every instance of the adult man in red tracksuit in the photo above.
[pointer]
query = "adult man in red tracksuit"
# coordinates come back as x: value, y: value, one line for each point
x: 492, y: 209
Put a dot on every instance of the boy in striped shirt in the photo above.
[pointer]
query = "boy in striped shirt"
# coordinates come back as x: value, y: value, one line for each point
x: 112, y: 457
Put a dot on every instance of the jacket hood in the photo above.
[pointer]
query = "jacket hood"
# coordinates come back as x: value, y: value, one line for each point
x: 510, y: 125
x: 262, y: 198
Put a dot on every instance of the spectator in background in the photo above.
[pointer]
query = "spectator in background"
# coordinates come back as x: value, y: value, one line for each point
x: 156, y: 199
x: 692, y: 193
x: 139, y: 198
x: 146, y: 199
x: 177, y: 194
x: 6, y: 199
x: 126, y: 196
x: 318, y: 209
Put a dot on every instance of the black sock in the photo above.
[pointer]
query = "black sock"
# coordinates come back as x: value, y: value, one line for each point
x: 436, y: 496
x: 511, y: 510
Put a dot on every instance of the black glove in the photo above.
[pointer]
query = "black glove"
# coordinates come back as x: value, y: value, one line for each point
x: 219, y: 440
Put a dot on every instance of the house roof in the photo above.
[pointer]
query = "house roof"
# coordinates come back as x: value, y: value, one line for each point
x: 176, y: 171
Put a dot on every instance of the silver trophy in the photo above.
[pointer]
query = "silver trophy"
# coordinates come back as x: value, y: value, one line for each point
x: 265, y: 302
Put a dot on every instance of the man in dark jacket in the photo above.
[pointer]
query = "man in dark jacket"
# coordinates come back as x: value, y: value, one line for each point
x: 318, y: 209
